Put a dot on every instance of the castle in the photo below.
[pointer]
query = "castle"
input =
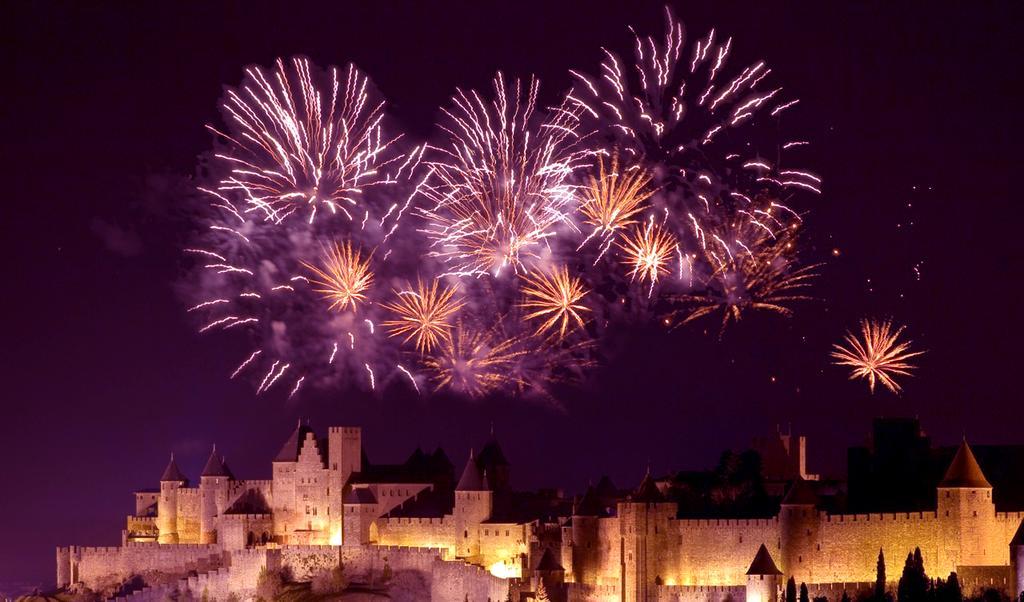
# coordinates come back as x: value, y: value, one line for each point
x: 477, y: 539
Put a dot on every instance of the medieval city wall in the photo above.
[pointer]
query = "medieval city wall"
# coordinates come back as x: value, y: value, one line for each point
x: 188, y: 514
x: 700, y: 593
x: 848, y: 545
x: 304, y: 562
x: 99, y: 566
x: 719, y: 552
x: 416, y: 532
x: 456, y: 581
x: 581, y: 592
x: 502, y: 542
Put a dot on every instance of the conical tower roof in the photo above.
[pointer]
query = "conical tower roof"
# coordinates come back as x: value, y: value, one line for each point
x: 964, y: 471
x: 548, y: 562
x: 763, y: 563
x: 647, y: 491
x: 471, y: 479
x: 173, y: 473
x: 215, y: 466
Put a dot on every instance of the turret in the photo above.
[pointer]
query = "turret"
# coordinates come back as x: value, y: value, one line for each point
x: 360, y: 508
x: 763, y: 578
x: 492, y: 461
x: 213, y: 495
x: 799, y: 528
x: 645, y: 523
x: 967, y: 513
x: 1017, y: 561
x: 167, y: 505
x: 344, y: 457
x: 585, y: 549
x: 474, y: 502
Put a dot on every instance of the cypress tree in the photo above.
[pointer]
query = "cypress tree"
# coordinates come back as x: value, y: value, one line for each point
x: 845, y: 598
x: 791, y: 590
x: 803, y: 593
x: 880, y: 577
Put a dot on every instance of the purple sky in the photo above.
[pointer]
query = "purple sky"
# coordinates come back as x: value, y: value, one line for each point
x: 910, y: 105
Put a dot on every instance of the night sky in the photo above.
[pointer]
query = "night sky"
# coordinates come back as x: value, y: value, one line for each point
x: 915, y: 119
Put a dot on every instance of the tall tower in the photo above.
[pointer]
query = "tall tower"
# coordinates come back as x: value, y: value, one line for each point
x: 967, y: 514
x: 585, y: 550
x: 763, y: 578
x: 645, y: 539
x: 344, y: 457
x: 1017, y: 561
x: 167, y: 504
x: 799, y: 527
x: 213, y: 495
x: 474, y: 502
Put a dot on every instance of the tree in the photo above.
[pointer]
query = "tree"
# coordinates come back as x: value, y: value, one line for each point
x: 913, y: 585
x: 820, y: 599
x: 803, y: 593
x: 791, y: 590
x: 542, y: 593
x: 845, y: 598
x: 948, y: 591
x: 880, y: 577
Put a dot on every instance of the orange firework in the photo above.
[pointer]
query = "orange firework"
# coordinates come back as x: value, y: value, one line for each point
x: 753, y: 268
x: 649, y: 251
x: 877, y: 355
x: 344, y: 277
x: 612, y: 199
x: 555, y: 299
x: 423, y: 314
x: 475, y: 362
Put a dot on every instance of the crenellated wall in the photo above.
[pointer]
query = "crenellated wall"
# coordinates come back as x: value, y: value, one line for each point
x: 457, y: 581
x: 98, y: 566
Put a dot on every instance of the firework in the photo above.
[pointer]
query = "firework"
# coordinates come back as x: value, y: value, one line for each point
x: 649, y: 250
x: 297, y: 141
x: 614, y: 198
x: 475, y: 362
x: 423, y: 315
x: 344, y: 276
x: 499, y: 188
x: 555, y: 300
x: 877, y: 354
x: 752, y: 269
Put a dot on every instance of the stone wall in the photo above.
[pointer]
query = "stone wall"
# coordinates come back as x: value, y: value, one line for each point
x: 457, y: 581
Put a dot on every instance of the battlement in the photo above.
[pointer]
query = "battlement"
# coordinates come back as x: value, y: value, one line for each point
x: 879, y: 517
x: 412, y: 520
x: 351, y: 430
x: 727, y: 522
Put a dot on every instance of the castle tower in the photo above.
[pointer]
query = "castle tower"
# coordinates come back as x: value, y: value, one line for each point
x: 492, y: 461
x: 644, y: 519
x: 1017, y: 561
x: 799, y: 529
x: 763, y: 578
x: 167, y: 505
x: 474, y: 502
x: 344, y: 457
x: 585, y: 550
x: 285, y: 500
x: 967, y: 513
x: 213, y: 495
x: 360, y: 510
x: 549, y: 575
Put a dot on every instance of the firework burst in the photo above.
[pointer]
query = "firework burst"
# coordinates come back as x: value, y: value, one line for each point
x: 343, y: 276
x: 876, y: 354
x: 500, y: 186
x: 475, y: 362
x: 555, y: 300
x: 649, y: 251
x: 301, y: 141
x: 423, y: 315
x: 752, y: 269
x: 612, y: 199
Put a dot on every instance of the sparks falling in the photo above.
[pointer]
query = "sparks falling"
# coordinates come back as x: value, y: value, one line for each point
x: 555, y: 301
x: 612, y: 199
x: 500, y: 186
x: 423, y: 315
x: 876, y: 354
x: 649, y: 250
x: 344, y: 276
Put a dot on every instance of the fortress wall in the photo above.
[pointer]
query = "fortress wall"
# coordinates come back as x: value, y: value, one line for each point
x: 306, y: 561
x: 719, y: 552
x: 701, y: 593
x: 502, y: 542
x: 834, y: 591
x: 416, y: 532
x: 371, y: 559
x: 609, y: 553
x: 94, y: 566
x: 849, y: 545
x: 457, y: 581
x: 974, y: 580
x: 579, y: 592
